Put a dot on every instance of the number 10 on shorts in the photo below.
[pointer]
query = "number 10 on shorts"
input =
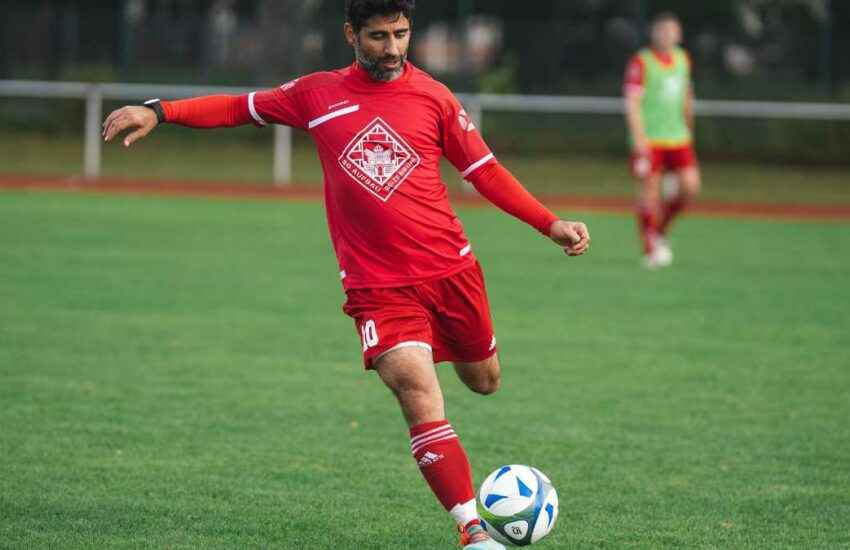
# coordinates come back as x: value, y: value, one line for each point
x: 369, y: 332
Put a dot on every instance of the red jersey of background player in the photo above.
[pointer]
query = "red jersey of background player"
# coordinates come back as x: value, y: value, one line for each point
x: 380, y: 145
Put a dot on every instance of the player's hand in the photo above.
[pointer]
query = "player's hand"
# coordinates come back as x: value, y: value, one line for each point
x: 140, y: 119
x: 573, y: 237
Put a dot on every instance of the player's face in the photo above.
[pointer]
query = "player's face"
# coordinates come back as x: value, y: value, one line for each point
x: 381, y: 45
x: 666, y: 35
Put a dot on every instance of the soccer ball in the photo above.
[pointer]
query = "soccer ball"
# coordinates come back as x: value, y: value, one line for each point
x: 519, y: 506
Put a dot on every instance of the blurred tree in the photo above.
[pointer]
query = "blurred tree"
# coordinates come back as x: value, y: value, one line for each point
x: 840, y: 45
x: 56, y: 12
x: 330, y: 18
x: 5, y: 70
x: 549, y: 46
x: 283, y: 27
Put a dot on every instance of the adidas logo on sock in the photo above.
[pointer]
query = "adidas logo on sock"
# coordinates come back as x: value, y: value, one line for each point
x: 429, y: 458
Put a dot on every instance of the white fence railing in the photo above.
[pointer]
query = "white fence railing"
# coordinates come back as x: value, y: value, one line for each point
x: 95, y: 94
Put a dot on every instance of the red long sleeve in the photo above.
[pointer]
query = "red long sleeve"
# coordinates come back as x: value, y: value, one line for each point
x: 500, y: 187
x: 208, y: 112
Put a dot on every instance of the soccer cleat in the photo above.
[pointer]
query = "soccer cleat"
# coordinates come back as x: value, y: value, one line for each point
x: 464, y: 536
x: 482, y: 540
x: 650, y: 262
x: 663, y: 252
x: 661, y: 255
x: 486, y: 544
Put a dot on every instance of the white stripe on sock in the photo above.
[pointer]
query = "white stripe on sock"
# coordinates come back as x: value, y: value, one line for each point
x: 430, y: 432
x: 441, y: 433
x: 424, y: 444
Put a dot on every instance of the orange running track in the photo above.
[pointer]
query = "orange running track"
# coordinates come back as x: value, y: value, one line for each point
x: 314, y: 193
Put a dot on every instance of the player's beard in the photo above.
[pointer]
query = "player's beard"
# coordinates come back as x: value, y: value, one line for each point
x: 372, y: 65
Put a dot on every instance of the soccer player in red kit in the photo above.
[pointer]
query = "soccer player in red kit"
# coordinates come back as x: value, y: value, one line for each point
x: 659, y: 114
x: 413, y: 285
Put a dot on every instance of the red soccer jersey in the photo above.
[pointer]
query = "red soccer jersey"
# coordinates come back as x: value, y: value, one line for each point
x: 380, y: 145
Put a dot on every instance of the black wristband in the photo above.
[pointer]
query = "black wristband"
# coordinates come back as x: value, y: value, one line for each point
x: 156, y: 106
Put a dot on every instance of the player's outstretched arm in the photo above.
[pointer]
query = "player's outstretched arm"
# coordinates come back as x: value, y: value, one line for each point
x: 217, y: 111
x: 500, y: 187
x: 464, y: 147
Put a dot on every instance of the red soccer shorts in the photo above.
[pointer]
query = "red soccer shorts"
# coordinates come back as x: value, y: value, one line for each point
x: 663, y: 159
x: 449, y: 316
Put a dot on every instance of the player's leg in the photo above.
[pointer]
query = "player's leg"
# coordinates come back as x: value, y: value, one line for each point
x: 463, y: 330
x: 482, y: 377
x: 647, y: 171
x: 648, y: 213
x: 410, y: 374
x: 690, y: 182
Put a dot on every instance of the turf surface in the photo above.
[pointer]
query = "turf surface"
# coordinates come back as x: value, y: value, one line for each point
x: 176, y: 373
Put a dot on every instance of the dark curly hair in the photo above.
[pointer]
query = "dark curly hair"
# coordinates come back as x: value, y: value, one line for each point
x: 357, y: 12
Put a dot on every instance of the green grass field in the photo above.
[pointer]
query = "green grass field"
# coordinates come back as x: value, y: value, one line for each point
x: 177, y: 373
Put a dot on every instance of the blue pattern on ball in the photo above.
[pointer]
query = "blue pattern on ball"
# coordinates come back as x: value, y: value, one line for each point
x: 524, y: 491
x: 503, y: 471
x: 492, y: 499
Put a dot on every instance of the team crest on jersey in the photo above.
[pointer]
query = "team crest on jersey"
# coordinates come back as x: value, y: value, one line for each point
x: 379, y: 159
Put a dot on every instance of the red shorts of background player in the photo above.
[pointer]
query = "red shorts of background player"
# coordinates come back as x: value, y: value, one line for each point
x: 449, y: 316
x: 663, y: 159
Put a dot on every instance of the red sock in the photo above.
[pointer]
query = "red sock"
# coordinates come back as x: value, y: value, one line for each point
x: 445, y: 467
x: 648, y: 227
x: 672, y: 208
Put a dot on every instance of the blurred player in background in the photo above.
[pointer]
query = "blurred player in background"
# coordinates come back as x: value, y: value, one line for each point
x: 659, y: 113
x: 413, y: 285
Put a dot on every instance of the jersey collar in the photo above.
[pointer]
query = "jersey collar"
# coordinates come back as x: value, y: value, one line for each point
x: 664, y: 58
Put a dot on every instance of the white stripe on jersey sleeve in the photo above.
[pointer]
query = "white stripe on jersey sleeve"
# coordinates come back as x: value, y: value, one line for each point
x: 476, y: 165
x: 253, y: 109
